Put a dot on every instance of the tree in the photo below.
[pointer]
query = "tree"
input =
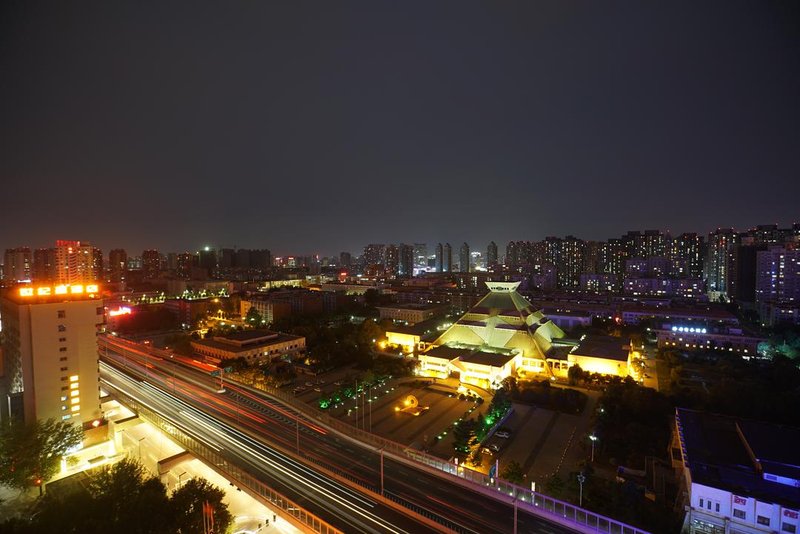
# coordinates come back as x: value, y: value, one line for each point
x: 129, y: 496
x: 253, y: 318
x: 575, y: 374
x: 188, y: 503
x: 30, y: 454
x: 513, y: 472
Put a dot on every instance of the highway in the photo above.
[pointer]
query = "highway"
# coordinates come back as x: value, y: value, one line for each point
x: 267, y: 437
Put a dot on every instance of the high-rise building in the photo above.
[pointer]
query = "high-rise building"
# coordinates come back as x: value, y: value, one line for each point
x: 186, y: 261
x: 208, y: 260
x: 391, y: 260
x: 571, y: 258
x: 44, y: 264
x: 439, y: 265
x: 718, y: 258
x: 420, y: 256
x: 117, y: 264
x: 77, y: 262
x: 685, y: 252
x: 241, y: 259
x: 373, y: 254
x: 463, y: 258
x: 260, y: 259
x: 406, y: 260
x: 151, y: 263
x: 345, y: 260
x: 227, y: 258
x: 778, y: 275
x: 17, y: 264
x: 512, y: 258
x: 491, y: 255
x: 447, y: 258
x: 50, y: 352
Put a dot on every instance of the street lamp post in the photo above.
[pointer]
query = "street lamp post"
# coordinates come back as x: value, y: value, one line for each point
x: 581, y: 480
x: 593, y: 438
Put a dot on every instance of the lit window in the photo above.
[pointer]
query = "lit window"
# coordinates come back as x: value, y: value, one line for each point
x: 73, y: 378
x: 76, y: 408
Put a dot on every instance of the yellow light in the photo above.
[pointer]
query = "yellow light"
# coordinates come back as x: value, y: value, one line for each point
x: 92, y: 288
x: 74, y: 385
x: 76, y: 289
x: 76, y: 400
x: 26, y: 292
x: 43, y: 291
x: 76, y: 408
x: 73, y: 378
x: 74, y: 393
x: 61, y: 290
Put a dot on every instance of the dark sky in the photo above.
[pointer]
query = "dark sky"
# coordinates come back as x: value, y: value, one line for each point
x: 318, y: 127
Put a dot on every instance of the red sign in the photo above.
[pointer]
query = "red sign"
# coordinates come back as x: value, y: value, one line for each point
x: 790, y: 513
x: 739, y: 500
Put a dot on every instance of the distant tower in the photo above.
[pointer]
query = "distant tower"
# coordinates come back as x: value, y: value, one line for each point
x: 463, y: 258
x: 491, y: 255
x: 447, y: 258
x: 439, y: 258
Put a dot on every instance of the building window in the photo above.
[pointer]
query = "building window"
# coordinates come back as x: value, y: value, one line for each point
x: 62, y: 339
x: 761, y: 520
x: 717, y: 507
x: 62, y: 349
x: 63, y: 368
x: 62, y: 314
x: 740, y: 514
x: 62, y: 359
x: 701, y: 503
x: 790, y: 528
x: 62, y: 328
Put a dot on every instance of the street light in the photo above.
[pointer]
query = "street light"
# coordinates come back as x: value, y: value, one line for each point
x: 593, y: 438
x: 581, y: 480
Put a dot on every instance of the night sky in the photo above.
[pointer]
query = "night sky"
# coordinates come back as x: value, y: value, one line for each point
x: 318, y: 127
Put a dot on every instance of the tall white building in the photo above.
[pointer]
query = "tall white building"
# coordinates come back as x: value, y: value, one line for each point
x: 50, y: 353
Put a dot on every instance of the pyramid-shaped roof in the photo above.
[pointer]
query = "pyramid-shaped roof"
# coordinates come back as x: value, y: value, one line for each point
x: 503, y: 319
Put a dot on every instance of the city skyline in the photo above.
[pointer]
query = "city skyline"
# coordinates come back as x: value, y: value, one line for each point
x: 371, y: 124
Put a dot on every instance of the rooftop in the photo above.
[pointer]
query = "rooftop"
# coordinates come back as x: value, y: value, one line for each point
x: 717, y: 450
x: 606, y: 347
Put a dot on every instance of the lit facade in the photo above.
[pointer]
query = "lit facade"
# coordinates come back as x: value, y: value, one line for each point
x: 50, y: 352
x: 255, y: 346
x: 606, y: 355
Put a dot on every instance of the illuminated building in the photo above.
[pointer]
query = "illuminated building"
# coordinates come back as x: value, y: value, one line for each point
x: 256, y: 346
x: 151, y: 263
x: 718, y: 260
x: 439, y: 258
x: 17, y: 264
x: 391, y: 260
x: 686, y: 254
x: 491, y: 255
x: 410, y: 313
x: 502, y: 324
x: 50, y: 352
x: 420, y: 256
x: 737, y: 475
x: 704, y: 336
x: 607, y: 355
x: 373, y: 254
x: 77, y: 262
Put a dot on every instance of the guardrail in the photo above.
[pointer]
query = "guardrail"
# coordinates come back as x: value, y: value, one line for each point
x: 287, y: 507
